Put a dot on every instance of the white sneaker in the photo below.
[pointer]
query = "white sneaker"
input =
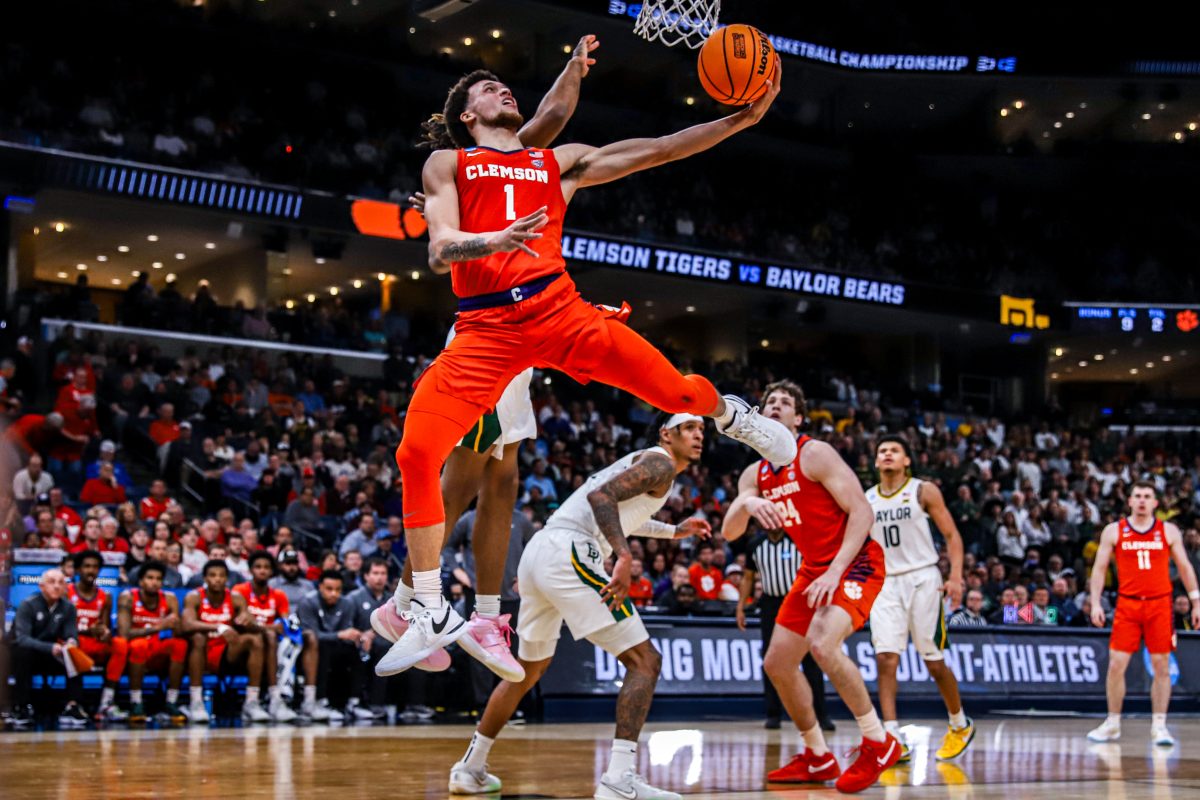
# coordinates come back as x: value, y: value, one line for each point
x: 197, y: 714
x: 428, y: 630
x: 332, y: 714
x: 464, y: 780
x: 252, y: 711
x: 110, y: 713
x: 630, y: 786
x: 1107, y: 732
x: 1162, y: 737
x: 282, y: 712
x: 316, y: 712
x: 771, y: 439
x: 360, y: 713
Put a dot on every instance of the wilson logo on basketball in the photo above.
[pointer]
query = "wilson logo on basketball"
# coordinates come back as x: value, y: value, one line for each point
x: 764, y: 56
x: 739, y: 45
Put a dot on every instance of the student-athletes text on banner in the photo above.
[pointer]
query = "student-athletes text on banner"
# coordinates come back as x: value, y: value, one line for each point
x: 1008, y: 663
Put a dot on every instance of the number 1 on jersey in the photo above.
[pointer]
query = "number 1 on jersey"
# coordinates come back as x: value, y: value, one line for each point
x: 510, y: 210
x: 1143, y: 557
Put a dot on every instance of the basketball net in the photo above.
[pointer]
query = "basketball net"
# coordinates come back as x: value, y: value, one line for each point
x: 675, y: 21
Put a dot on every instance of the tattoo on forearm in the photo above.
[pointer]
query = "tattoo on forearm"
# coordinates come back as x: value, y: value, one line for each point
x: 633, y: 703
x: 464, y: 251
x: 650, y: 473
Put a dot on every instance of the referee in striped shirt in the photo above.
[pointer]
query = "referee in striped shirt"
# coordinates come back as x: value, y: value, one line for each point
x: 774, y: 557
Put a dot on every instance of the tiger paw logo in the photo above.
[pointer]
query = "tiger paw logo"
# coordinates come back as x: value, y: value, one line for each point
x: 853, y: 589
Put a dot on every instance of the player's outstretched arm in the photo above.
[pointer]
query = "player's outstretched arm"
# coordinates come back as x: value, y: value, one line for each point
x: 748, y: 505
x: 582, y: 165
x: 558, y: 105
x: 1108, y: 539
x: 934, y: 503
x: 447, y: 243
x: 1187, y: 575
x: 823, y: 464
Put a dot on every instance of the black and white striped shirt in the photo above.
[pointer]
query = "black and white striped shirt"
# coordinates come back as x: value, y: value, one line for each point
x: 776, y: 564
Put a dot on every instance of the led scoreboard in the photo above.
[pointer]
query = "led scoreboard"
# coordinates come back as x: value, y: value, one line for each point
x: 1141, y: 318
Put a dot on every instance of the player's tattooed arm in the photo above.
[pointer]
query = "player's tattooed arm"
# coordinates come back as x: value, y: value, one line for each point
x: 651, y: 472
x: 464, y: 251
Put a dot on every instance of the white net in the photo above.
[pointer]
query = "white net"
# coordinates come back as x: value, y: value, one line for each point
x: 675, y: 21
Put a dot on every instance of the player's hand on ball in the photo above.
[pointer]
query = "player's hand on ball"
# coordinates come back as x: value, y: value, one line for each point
x: 617, y: 590
x: 765, y: 512
x: 417, y: 201
x: 756, y: 110
x: 1098, y: 617
x: 820, y: 592
x: 693, y: 526
x: 582, y: 54
x: 523, y: 230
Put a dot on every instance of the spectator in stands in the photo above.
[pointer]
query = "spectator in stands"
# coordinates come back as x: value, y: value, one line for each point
x: 77, y: 404
x: 104, y: 489
x: 62, y: 511
x: 109, y: 541
x: 236, y: 560
x: 144, y: 614
x: 155, y: 503
x: 136, y: 555
x: 223, y: 634
x: 303, y: 515
x: 1043, y: 612
x: 35, y: 433
x: 108, y: 455
x: 331, y: 646
x: 237, y: 482
x: 291, y: 580
x: 1182, y: 609
x: 540, y: 480
x: 371, y: 596
x: 731, y: 586
x: 164, y: 430
x: 174, y: 561
x: 270, y: 609
x: 129, y: 401
x: 703, y: 576
x: 641, y: 590
x: 89, y: 538
x: 44, y: 627
x: 970, y: 615
x: 1006, y: 610
x: 361, y: 539
x: 682, y: 602
x: 31, y: 481
x: 310, y: 401
x: 1061, y: 599
x: 1010, y: 541
x: 193, y: 557
x: 158, y: 552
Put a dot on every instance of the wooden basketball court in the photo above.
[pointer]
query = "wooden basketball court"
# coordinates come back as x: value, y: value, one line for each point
x: 1018, y: 757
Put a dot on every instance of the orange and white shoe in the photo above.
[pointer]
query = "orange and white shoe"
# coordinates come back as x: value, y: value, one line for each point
x: 873, y: 759
x: 489, y: 640
x: 387, y: 622
x: 806, y: 767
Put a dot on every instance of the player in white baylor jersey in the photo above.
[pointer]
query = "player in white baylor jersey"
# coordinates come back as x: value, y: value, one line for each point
x: 562, y: 579
x: 911, y: 599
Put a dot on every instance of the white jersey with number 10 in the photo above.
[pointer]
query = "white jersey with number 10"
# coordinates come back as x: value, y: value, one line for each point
x: 902, y: 528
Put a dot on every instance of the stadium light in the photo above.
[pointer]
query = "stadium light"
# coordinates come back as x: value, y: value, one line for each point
x: 468, y: 41
x: 381, y: 277
x: 157, y: 265
x: 1149, y: 365
x: 1004, y: 112
x: 290, y: 304
x: 496, y: 34
x: 210, y: 245
x: 180, y: 256
x: 1098, y: 356
x: 357, y: 284
x: 59, y: 227
x: 152, y: 238
x: 691, y: 309
x: 122, y: 248
x: 1146, y: 115
x: 320, y: 260
x: 1166, y: 359
x: 1133, y: 370
x: 1058, y: 124
x: 312, y: 298
x: 81, y: 266
x: 171, y: 279
x: 62, y: 274
x: 102, y: 259
x: 416, y: 276
x: 1191, y: 126
x: 1070, y: 115
x: 567, y: 49
x: 333, y: 290
x: 1083, y: 363
x: 116, y: 281
x: 1019, y: 104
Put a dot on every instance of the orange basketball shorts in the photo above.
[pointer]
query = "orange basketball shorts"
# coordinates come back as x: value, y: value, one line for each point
x: 214, y: 653
x: 1152, y: 619
x: 155, y: 652
x: 114, y: 653
x: 860, y: 585
x: 555, y: 328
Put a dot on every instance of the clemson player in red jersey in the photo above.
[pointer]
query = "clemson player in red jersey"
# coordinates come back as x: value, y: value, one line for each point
x: 223, y: 633
x: 269, y: 608
x: 818, y: 500
x: 495, y: 211
x: 1144, y: 547
x: 143, y: 615
x: 93, y: 613
x: 484, y: 465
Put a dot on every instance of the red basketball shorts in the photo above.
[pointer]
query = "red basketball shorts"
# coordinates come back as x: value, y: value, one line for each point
x: 155, y: 652
x: 214, y: 653
x: 113, y: 654
x: 860, y: 585
x: 1135, y: 620
x: 555, y: 328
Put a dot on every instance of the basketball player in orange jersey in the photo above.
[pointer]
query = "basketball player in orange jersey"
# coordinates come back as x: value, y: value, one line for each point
x: 93, y: 613
x: 269, y: 607
x: 1144, y: 547
x: 818, y: 500
x: 143, y: 615
x: 210, y: 614
x: 495, y: 211
x: 485, y: 462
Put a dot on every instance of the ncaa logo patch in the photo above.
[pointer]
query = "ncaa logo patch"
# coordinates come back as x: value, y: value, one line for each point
x: 537, y: 162
x: 853, y: 589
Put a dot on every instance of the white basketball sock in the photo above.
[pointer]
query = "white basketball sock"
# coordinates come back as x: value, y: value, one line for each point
x: 196, y: 693
x: 1113, y: 719
x: 172, y: 695
x: 106, y: 696
x: 727, y: 417
x: 428, y: 587
x: 1158, y: 720
x: 276, y: 695
x: 135, y: 696
x: 487, y: 605
x: 477, y: 751
x: 958, y: 720
x: 251, y: 695
x: 871, y: 727
x: 624, y: 757
x: 404, y: 595
x: 310, y: 695
x: 814, y: 740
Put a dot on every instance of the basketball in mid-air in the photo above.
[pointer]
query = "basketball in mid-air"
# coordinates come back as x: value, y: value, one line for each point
x: 735, y: 63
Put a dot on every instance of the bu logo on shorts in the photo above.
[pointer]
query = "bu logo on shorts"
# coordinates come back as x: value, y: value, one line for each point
x: 592, y: 553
